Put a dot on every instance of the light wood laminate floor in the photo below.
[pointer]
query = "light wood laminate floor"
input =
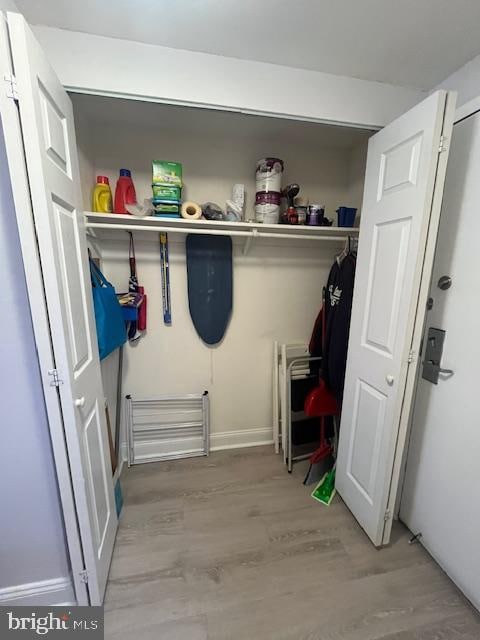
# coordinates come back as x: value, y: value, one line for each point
x: 231, y: 547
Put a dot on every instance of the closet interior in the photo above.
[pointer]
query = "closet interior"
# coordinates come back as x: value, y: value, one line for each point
x: 277, y: 281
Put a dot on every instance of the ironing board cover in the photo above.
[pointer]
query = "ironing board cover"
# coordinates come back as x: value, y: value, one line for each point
x: 210, y: 285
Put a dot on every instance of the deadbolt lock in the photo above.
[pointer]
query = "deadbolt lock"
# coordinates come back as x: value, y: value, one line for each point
x: 432, y: 368
x: 444, y: 283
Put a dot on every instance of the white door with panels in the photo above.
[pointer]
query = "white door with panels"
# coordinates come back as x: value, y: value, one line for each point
x: 403, y: 187
x: 51, y: 158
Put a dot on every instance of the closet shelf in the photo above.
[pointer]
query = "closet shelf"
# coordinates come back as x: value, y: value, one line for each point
x: 248, y: 230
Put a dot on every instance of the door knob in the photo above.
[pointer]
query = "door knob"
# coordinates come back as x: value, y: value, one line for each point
x: 390, y: 380
x: 79, y: 402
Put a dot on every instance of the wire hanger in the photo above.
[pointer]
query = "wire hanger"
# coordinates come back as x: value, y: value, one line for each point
x: 346, y: 250
x: 350, y: 248
x: 353, y: 246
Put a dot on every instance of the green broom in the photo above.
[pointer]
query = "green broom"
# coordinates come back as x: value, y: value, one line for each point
x: 324, y: 492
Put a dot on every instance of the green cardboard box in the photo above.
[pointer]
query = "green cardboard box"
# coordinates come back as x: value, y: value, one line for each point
x: 166, y: 192
x: 166, y: 208
x: 167, y: 173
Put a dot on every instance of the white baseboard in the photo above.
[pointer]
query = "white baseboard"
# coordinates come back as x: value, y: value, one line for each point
x: 241, y: 438
x: 57, y: 591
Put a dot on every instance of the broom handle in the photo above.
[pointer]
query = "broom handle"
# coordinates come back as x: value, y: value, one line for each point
x: 324, y: 319
x: 324, y: 334
x: 322, y: 429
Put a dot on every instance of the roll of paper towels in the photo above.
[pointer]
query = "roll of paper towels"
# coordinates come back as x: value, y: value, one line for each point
x: 191, y: 211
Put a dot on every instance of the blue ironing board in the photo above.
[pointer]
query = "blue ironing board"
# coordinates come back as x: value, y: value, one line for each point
x: 210, y: 285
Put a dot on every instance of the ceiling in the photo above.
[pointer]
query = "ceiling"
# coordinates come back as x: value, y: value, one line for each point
x: 413, y: 43
x: 99, y: 111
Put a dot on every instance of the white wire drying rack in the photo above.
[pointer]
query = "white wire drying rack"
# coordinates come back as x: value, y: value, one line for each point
x: 291, y: 362
x: 167, y: 427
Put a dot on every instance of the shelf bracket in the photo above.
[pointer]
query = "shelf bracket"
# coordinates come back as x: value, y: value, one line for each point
x: 249, y: 241
x: 88, y: 229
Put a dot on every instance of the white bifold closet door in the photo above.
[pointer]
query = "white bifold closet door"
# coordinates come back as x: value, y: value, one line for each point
x: 405, y: 173
x: 51, y: 158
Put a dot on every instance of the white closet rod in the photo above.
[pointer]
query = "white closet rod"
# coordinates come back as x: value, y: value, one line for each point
x: 254, y: 233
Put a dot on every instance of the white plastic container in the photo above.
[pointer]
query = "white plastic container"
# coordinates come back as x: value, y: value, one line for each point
x: 267, y: 207
x: 268, y: 174
x: 238, y: 194
x: 267, y: 213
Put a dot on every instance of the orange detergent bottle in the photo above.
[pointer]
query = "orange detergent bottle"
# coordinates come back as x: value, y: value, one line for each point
x: 102, y: 196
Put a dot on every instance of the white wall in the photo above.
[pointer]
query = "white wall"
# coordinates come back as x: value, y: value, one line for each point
x: 277, y: 294
x: 88, y: 63
x: 85, y: 157
x: 212, y: 165
x: 466, y: 81
x: 217, y: 149
x: 277, y: 287
x: 446, y: 418
x: 8, y: 5
x: 356, y: 176
x: 32, y: 542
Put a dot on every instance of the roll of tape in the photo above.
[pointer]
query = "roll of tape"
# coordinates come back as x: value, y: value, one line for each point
x: 191, y: 211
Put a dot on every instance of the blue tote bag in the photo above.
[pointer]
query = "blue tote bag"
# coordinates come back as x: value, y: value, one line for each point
x: 111, y: 332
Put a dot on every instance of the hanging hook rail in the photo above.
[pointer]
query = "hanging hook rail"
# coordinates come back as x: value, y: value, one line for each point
x: 254, y: 233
